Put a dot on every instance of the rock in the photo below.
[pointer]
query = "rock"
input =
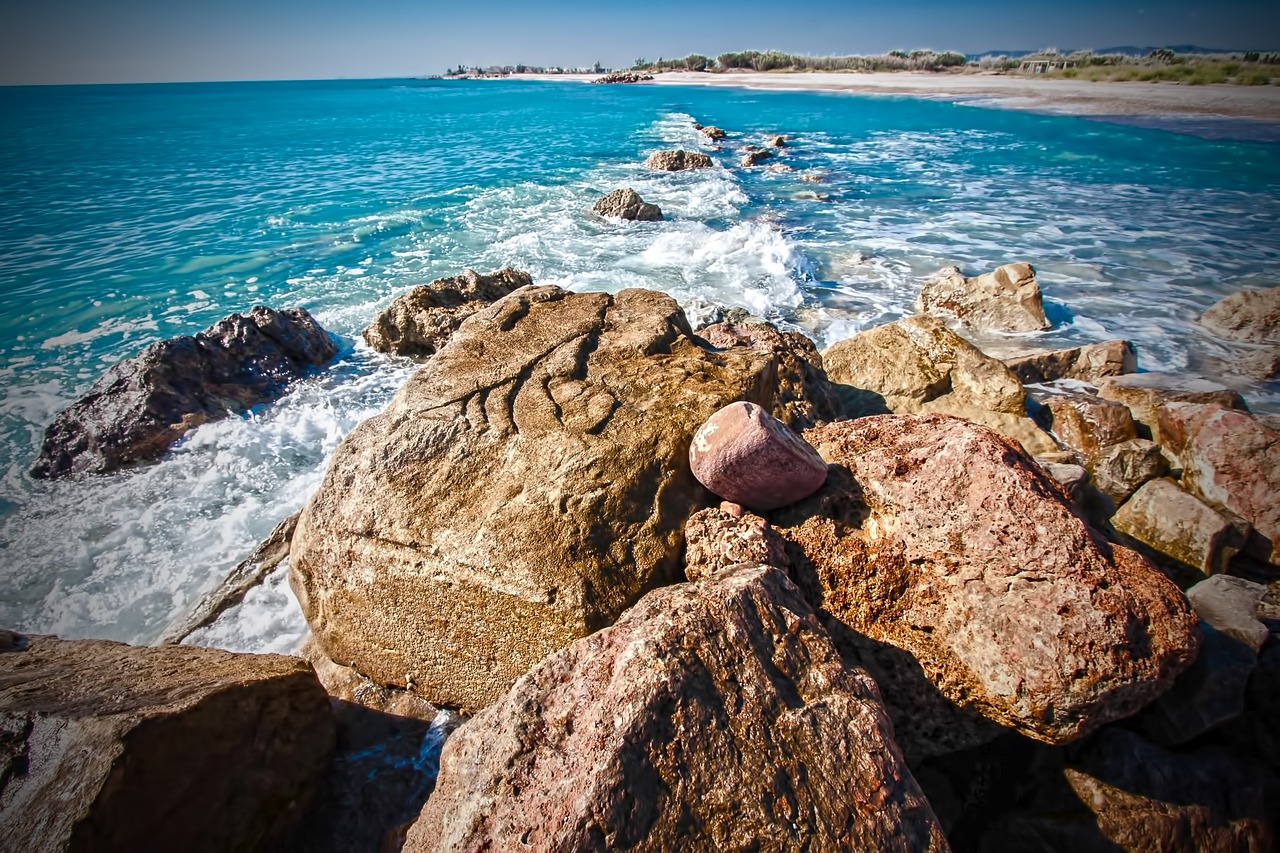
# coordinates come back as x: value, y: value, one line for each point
x: 713, y: 716
x: 778, y: 141
x: 812, y: 178
x: 1120, y: 469
x: 521, y: 490
x: 755, y: 157
x: 778, y: 169
x: 805, y: 397
x: 1144, y: 393
x: 1088, y: 423
x: 919, y: 365
x: 1231, y: 460
x: 421, y: 321
x: 348, y: 686
x: 1262, y: 364
x: 113, y: 747
x: 1179, y: 528
x: 627, y: 204
x: 1096, y: 507
x: 942, y: 539
x: 142, y: 405
x: 716, y: 539
x: 1230, y: 605
x: 1006, y: 299
x: 12, y: 641
x: 712, y: 132
x: 745, y: 455
x: 1252, y: 316
x: 624, y: 77
x: 1087, y: 363
x: 677, y: 161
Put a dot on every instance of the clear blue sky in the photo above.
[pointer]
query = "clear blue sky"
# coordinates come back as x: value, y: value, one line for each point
x: 98, y: 41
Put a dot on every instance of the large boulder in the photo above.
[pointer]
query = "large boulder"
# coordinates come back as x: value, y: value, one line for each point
x: 712, y: 716
x: 142, y: 405
x: 1250, y: 315
x: 105, y: 746
x: 627, y: 204
x: 919, y: 365
x: 422, y: 320
x: 1007, y: 299
x: 1087, y: 363
x: 677, y: 161
x: 520, y: 491
x: 1088, y: 423
x: 1145, y: 393
x: 941, y: 539
x: 1179, y: 528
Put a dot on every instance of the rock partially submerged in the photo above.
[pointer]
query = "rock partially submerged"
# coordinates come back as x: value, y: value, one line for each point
x: 711, y: 132
x: 421, y: 321
x: 756, y: 156
x: 1006, y: 299
x: 105, y: 746
x: 713, y: 716
x: 141, y: 405
x: 627, y: 204
x: 677, y: 161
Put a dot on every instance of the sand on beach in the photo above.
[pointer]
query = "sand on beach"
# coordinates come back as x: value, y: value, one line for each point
x: 1080, y: 97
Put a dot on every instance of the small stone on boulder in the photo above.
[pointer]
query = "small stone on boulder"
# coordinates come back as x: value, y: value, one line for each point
x: 627, y: 204
x: 677, y: 161
x: 1005, y: 300
x: 1087, y: 363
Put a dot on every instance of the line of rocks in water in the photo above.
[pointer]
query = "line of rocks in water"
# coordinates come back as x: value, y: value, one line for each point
x: 920, y: 621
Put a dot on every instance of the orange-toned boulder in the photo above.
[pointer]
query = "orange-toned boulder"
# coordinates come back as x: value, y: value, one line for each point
x: 677, y: 161
x: 715, y: 539
x: 1007, y: 299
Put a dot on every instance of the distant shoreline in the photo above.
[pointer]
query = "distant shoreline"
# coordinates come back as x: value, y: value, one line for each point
x: 1074, y: 97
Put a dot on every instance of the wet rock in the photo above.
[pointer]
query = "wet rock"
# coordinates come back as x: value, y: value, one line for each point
x: 1088, y: 363
x: 712, y: 132
x: 677, y: 161
x: 778, y: 168
x: 712, y: 716
x: 421, y: 321
x: 142, y: 405
x: 715, y: 539
x: 756, y: 156
x: 520, y: 491
x: 745, y: 455
x: 1007, y: 299
x: 1120, y: 469
x: 1087, y: 423
x: 1230, y: 605
x: 778, y: 141
x: 1179, y: 528
x: 115, y: 747
x: 1252, y: 316
x: 919, y: 365
x: 1144, y: 393
x: 627, y: 204
x: 942, y: 539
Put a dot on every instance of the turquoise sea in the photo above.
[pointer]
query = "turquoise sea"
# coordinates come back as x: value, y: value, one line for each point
x: 134, y: 213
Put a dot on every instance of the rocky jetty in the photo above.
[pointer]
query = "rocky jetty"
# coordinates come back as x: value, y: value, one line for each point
x: 627, y: 204
x: 624, y: 77
x: 1006, y: 299
x: 140, y: 406
x: 677, y: 161
x: 421, y: 320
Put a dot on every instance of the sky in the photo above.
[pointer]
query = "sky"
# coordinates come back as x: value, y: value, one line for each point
x: 92, y: 41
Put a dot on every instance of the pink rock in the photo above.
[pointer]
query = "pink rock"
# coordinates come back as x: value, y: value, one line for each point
x: 745, y: 455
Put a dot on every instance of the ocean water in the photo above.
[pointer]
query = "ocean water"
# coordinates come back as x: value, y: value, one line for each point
x: 133, y: 213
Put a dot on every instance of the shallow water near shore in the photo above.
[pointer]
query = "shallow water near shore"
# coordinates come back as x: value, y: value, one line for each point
x: 135, y: 213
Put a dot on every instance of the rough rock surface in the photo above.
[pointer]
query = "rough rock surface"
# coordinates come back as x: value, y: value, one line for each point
x: 713, y: 716
x: 1179, y: 527
x: 521, y: 490
x: 1087, y: 423
x: 627, y: 204
x: 1121, y: 469
x: 712, y: 132
x: 1096, y: 507
x: 756, y: 156
x: 779, y: 141
x: 1088, y: 363
x: 941, y: 539
x: 1007, y: 299
x: 677, y: 161
x: 1144, y: 393
x: 1230, y: 605
x: 747, y: 456
x: 1250, y: 315
x: 919, y: 365
x: 718, y: 538
x: 105, y: 746
x: 142, y: 405
x: 422, y: 320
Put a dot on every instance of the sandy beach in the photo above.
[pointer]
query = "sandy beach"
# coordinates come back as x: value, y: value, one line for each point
x: 1079, y: 97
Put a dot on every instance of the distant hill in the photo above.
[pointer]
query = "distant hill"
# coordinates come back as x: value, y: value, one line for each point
x: 1125, y: 50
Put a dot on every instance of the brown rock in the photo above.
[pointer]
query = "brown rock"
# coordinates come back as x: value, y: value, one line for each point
x: 114, y: 747
x: 712, y: 132
x: 1120, y: 469
x: 713, y: 716
x: 1088, y: 363
x: 944, y: 540
x: 421, y: 321
x: 12, y: 641
x: 1178, y: 527
x: 1261, y: 364
x: 1088, y: 423
x: 919, y: 365
x: 141, y: 405
x: 1144, y: 393
x: 627, y: 204
x: 756, y: 156
x: 1006, y: 299
x: 520, y: 491
x: 1250, y: 315
x: 346, y: 685
x: 677, y: 161
x: 715, y: 539
x: 778, y: 141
